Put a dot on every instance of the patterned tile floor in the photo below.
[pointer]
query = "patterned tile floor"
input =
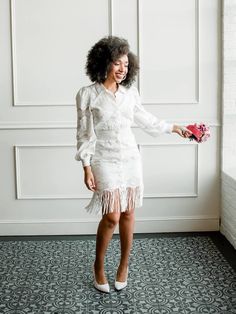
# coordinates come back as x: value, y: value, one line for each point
x: 166, y: 275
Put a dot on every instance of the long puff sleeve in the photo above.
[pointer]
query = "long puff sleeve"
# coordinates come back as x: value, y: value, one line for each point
x: 147, y: 121
x: 86, y: 137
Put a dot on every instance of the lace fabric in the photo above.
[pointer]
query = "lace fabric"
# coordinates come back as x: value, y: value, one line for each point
x: 105, y: 141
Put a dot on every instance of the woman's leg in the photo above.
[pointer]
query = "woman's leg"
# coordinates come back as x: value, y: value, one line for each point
x: 105, y: 231
x: 126, y: 229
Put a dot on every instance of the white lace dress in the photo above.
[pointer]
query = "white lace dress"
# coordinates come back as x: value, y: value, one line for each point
x: 105, y: 141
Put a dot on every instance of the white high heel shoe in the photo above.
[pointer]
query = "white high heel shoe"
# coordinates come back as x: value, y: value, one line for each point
x: 119, y: 285
x: 103, y: 288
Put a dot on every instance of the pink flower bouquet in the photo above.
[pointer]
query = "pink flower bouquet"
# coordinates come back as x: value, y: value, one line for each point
x: 200, y: 132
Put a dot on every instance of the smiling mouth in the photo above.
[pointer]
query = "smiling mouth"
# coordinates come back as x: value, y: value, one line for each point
x: 120, y: 76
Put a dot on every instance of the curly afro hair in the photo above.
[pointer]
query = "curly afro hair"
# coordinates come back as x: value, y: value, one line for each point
x: 106, y: 51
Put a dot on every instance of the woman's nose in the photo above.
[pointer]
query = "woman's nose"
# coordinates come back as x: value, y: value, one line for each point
x: 122, y: 67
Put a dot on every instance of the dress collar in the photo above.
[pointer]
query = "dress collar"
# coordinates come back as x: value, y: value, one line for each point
x: 101, y: 88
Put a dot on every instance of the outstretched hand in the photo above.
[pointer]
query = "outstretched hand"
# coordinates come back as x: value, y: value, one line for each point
x: 182, y: 131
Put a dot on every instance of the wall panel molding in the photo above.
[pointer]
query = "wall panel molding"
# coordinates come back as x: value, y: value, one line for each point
x: 15, y: 87
x: 196, y: 100
x: 18, y: 175
x: 110, y: 15
x: 18, y: 125
x: 184, y: 194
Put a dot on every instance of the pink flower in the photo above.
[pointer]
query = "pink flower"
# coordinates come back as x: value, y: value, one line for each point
x: 200, y: 132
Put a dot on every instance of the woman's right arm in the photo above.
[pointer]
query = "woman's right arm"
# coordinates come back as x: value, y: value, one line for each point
x: 89, y: 178
x: 86, y: 137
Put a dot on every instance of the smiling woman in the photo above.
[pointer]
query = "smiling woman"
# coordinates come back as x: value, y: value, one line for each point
x: 108, y: 150
x: 106, y: 53
x: 118, y: 71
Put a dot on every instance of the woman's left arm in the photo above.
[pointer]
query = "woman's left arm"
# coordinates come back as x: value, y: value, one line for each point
x: 151, y: 124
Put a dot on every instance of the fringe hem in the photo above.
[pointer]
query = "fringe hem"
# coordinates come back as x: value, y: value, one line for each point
x: 120, y: 199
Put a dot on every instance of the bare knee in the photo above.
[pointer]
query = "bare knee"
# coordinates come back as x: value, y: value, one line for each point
x: 127, y: 215
x: 111, y: 219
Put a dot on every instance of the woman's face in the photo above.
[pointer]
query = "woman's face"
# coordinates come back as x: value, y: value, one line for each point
x: 119, y: 69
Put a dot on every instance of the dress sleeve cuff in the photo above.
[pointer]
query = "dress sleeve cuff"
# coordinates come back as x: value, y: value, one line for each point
x: 169, y: 127
x: 86, y: 162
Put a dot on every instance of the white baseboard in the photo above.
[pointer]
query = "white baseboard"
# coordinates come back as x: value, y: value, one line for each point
x: 177, y: 224
x: 81, y: 227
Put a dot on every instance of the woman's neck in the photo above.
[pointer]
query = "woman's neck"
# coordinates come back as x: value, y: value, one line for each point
x: 111, y: 86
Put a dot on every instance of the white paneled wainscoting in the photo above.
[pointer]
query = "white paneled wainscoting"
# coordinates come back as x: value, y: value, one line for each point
x: 49, y: 194
x: 42, y: 68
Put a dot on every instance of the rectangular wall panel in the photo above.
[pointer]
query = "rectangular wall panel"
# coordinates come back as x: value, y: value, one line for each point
x: 50, y: 43
x: 126, y: 11
x: 170, y: 170
x: 44, y: 172
x: 168, y: 47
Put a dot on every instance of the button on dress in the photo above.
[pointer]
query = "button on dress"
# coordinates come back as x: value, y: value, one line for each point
x: 105, y: 142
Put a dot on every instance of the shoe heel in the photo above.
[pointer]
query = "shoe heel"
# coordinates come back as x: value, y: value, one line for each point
x: 119, y: 285
x: 102, y: 288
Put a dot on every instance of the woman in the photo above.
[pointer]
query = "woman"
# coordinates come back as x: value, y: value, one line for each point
x: 108, y: 150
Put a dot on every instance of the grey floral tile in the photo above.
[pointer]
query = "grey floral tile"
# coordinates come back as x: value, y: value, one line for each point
x: 166, y: 275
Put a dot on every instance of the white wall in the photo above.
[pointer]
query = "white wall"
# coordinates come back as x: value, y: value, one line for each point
x: 42, y: 67
x: 228, y: 175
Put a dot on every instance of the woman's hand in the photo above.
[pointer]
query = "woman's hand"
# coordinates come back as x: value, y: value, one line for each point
x: 89, y: 179
x: 182, y: 131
